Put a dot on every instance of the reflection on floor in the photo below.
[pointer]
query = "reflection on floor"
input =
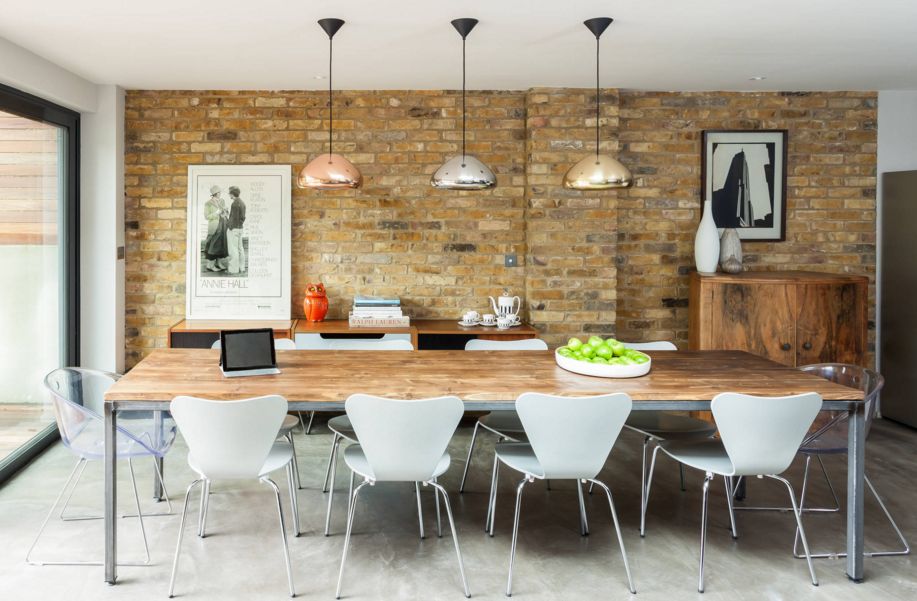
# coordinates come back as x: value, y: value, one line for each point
x: 241, y: 558
x: 19, y: 423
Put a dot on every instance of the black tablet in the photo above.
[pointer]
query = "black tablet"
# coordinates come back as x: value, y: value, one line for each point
x: 247, y: 352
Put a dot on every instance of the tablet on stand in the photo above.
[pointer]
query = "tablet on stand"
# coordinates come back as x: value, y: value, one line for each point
x: 247, y: 353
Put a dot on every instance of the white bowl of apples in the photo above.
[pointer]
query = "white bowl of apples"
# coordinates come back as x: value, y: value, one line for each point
x: 602, y: 358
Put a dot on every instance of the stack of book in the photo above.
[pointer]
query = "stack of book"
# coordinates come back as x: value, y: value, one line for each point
x: 377, y: 311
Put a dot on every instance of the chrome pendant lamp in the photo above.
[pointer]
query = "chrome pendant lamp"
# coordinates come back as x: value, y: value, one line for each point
x: 329, y: 171
x: 599, y: 171
x: 463, y: 172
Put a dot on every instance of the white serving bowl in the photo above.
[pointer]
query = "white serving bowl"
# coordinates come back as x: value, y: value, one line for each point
x: 601, y: 370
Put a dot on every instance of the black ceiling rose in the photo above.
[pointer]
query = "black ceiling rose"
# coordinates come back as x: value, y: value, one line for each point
x: 464, y: 26
x: 598, y: 25
x: 331, y: 26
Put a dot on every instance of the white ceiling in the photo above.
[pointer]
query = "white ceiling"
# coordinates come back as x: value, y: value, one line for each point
x: 409, y: 44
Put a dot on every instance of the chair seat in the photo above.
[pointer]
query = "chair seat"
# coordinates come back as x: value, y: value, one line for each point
x: 341, y: 425
x: 705, y: 455
x: 521, y: 457
x: 289, y: 422
x: 832, y: 442
x: 356, y: 460
x: 503, y: 421
x: 664, y: 425
x: 279, y: 456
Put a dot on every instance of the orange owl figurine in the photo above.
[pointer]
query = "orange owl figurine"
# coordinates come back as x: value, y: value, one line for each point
x: 315, y: 305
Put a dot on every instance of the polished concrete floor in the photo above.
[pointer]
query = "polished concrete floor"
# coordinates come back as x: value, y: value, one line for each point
x: 241, y: 557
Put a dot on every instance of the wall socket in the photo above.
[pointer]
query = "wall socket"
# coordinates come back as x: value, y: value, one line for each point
x: 510, y: 260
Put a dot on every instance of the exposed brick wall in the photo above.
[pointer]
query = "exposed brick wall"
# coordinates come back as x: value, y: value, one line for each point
x: 593, y: 262
x: 831, y: 194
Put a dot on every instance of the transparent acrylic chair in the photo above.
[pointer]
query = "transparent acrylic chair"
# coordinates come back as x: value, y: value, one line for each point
x: 505, y: 424
x: 235, y: 440
x: 831, y: 439
x: 570, y: 438
x: 401, y: 441
x: 759, y: 436
x: 77, y: 397
x: 343, y: 430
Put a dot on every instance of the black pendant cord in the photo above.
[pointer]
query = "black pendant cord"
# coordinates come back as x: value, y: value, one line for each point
x: 330, y: 99
x: 596, y: 98
x: 463, y: 101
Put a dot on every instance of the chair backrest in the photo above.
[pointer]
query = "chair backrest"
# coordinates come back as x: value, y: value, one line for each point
x: 572, y: 436
x: 529, y: 344
x: 404, y: 439
x: 229, y: 439
x: 280, y: 344
x: 852, y: 376
x: 659, y: 345
x: 763, y: 434
x: 369, y: 344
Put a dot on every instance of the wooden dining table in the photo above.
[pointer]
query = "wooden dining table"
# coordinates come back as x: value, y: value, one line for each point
x: 485, y: 381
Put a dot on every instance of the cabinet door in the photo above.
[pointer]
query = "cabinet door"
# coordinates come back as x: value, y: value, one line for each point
x: 758, y: 318
x: 831, y: 323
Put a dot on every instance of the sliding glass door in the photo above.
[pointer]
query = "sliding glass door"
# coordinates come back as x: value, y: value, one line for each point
x: 38, y: 266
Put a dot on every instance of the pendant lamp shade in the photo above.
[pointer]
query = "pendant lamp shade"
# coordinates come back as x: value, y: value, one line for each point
x: 598, y: 171
x: 463, y: 172
x: 329, y: 171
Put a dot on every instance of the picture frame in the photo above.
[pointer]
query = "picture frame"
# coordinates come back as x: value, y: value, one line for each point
x: 743, y: 173
x: 238, y: 242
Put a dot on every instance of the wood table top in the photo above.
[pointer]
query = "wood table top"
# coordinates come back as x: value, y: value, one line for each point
x: 329, y: 377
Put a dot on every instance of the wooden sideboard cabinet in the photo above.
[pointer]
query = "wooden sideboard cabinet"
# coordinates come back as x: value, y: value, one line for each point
x: 792, y: 317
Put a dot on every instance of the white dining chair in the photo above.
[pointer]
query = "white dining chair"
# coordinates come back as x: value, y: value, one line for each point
x: 235, y: 440
x: 655, y: 426
x: 343, y: 430
x: 505, y: 424
x: 759, y: 436
x: 77, y: 397
x: 401, y: 441
x: 290, y: 421
x: 569, y: 438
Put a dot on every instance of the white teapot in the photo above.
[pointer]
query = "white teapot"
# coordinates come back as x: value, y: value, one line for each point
x: 506, y: 305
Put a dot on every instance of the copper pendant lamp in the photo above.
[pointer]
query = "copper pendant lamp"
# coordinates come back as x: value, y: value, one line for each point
x: 329, y: 171
x: 463, y: 172
x: 599, y: 171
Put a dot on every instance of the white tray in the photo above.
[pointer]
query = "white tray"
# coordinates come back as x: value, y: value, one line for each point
x: 601, y: 370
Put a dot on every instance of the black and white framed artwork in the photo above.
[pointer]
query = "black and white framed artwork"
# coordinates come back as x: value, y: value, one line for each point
x: 744, y: 175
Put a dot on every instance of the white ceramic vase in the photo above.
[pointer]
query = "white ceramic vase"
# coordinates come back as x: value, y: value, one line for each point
x: 707, y: 242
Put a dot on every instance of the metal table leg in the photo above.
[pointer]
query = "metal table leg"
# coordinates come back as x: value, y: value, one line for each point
x: 160, y: 465
x: 111, y: 496
x: 856, y: 457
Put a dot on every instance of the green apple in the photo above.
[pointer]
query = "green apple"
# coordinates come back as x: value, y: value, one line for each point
x: 588, y: 351
x: 641, y: 358
x: 600, y: 360
x: 564, y: 352
x: 574, y: 343
x: 595, y: 341
x: 627, y: 360
x: 617, y: 348
x: 604, y: 352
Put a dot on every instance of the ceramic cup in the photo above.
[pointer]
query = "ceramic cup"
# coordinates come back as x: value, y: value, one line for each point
x: 489, y: 319
x: 504, y: 322
x: 471, y: 316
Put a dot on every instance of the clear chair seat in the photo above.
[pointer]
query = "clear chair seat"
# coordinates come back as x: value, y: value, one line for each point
x: 356, y: 460
x: 665, y: 425
x: 705, y: 455
x: 832, y: 442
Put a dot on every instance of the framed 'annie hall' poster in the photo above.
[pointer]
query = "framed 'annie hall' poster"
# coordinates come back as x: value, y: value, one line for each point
x: 238, y: 253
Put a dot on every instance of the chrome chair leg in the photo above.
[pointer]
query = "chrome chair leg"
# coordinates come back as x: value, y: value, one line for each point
x: 727, y: 481
x: 205, y: 508
x: 79, y: 464
x: 351, y: 509
x: 681, y: 475
x: 419, y: 510
x: 474, y: 436
x: 614, y: 518
x: 458, y: 552
x: 801, y: 531
x: 289, y: 437
x: 439, y: 523
x: 80, y: 518
x: 512, y: 549
x: 332, y: 466
x: 646, y: 492
x: 181, y: 528
x: 703, y: 531
x: 283, y: 532
x: 494, y: 483
x: 583, y: 520
x: 294, y: 497
x: 804, y: 493
x: 309, y: 425
x: 146, y: 547
x: 334, y: 445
